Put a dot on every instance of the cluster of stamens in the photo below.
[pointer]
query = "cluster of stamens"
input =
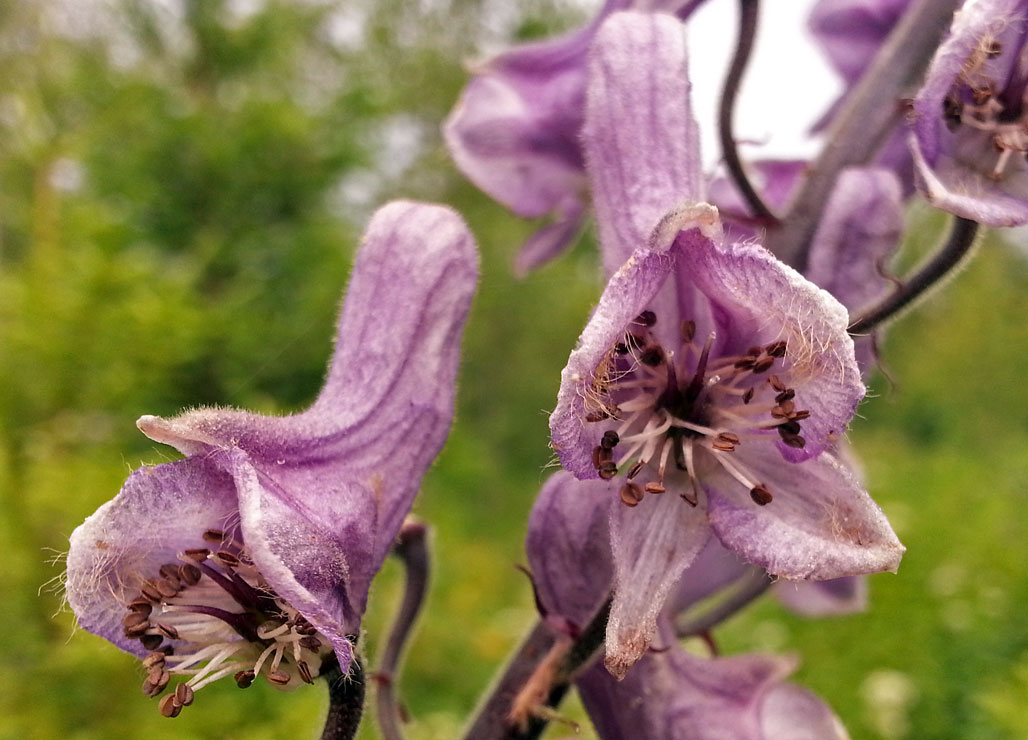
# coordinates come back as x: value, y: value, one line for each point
x: 212, y: 615
x: 673, y: 407
x: 976, y: 102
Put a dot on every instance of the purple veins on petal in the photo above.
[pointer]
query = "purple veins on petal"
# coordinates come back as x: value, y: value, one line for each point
x: 254, y: 555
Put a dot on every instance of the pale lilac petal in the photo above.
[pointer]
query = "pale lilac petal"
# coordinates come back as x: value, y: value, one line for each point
x: 757, y: 300
x: 824, y: 598
x: 630, y: 290
x: 821, y: 524
x: 159, y: 512
x: 652, y: 544
x: 640, y: 138
x: 387, y: 404
x: 568, y: 545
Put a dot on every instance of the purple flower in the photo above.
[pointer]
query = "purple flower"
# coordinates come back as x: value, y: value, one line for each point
x: 668, y: 694
x: 970, y: 136
x: 515, y: 131
x: 711, y: 380
x: 254, y: 554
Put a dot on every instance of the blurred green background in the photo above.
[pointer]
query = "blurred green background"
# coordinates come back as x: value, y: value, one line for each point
x: 182, y: 185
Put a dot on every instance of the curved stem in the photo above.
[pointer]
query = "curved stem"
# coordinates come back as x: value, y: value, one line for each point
x: 750, y: 590
x: 868, y: 115
x: 345, y: 702
x: 958, y: 245
x: 412, y: 549
x: 748, y: 12
x: 494, y: 721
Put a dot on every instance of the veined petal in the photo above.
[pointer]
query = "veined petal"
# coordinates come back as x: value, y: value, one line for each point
x: 159, y: 512
x: 755, y: 300
x: 568, y: 545
x: 641, y: 141
x: 387, y: 403
x: 790, y: 712
x: 714, y: 568
x: 821, y: 524
x: 317, y: 555
x: 652, y: 544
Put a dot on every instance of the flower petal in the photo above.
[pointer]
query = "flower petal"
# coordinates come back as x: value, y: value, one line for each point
x: 757, y: 300
x: 641, y: 141
x: 821, y: 524
x: 387, y: 404
x: 568, y: 545
x: 159, y: 512
x: 652, y: 544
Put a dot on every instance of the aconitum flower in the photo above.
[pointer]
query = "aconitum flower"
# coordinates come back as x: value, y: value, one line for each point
x: 515, y: 130
x: 711, y: 380
x: 970, y: 136
x: 254, y: 554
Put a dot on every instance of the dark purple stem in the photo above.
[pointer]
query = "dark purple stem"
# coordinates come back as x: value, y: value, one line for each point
x: 748, y: 13
x: 957, y: 246
x: 493, y: 722
x: 870, y: 113
x: 345, y: 702
x: 412, y: 548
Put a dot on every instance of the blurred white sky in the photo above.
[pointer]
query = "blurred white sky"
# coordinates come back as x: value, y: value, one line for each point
x: 787, y: 86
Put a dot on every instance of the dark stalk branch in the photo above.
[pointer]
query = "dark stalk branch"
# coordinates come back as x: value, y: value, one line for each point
x: 868, y: 116
x: 957, y: 246
x: 345, y: 702
x: 748, y: 12
x: 412, y: 548
x: 749, y: 591
x: 497, y: 720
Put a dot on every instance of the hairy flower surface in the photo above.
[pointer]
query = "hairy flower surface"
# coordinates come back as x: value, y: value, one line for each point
x: 254, y: 554
x: 711, y: 381
x: 515, y: 131
x: 970, y: 136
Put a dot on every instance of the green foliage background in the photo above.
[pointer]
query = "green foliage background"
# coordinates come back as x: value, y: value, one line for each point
x: 182, y: 186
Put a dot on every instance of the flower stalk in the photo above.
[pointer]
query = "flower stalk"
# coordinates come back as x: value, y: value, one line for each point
x: 412, y: 549
x: 958, y: 245
x: 749, y: 11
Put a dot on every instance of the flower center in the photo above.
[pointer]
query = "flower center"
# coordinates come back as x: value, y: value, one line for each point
x: 213, y: 615
x: 688, y: 408
x: 977, y: 101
